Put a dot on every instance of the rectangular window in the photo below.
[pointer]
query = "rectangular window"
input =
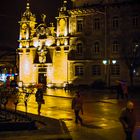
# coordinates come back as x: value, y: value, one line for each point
x: 96, y: 24
x: 79, y: 70
x: 96, y: 47
x: 79, y: 49
x: 115, y: 22
x: 79, y: 25
x: 115, y: 47
x: 96, y: 70
x: 115, y: 70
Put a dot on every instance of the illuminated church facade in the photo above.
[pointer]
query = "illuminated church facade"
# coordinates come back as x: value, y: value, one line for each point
x: 83, y: 47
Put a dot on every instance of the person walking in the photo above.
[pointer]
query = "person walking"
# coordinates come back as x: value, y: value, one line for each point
x: 39, y: 98
x: 77, y: 106
x: 125, y: 90
x: 119, y: 90
x: 128, y: 120
x: 8, y: 82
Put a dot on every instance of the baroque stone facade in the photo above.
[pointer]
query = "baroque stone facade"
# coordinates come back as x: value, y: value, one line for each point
x: 92, y: 41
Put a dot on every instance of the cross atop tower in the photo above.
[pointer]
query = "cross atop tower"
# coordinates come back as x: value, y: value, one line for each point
x: 28, y: 5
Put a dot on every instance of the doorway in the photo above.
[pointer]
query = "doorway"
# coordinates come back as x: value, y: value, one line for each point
x: 42, y: 78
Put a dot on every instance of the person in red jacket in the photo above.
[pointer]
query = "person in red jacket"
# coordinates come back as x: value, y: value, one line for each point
x: 8, y: 82
x: 128, y: 120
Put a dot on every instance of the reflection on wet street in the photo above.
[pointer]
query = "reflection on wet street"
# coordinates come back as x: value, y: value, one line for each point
x: 101, y: 112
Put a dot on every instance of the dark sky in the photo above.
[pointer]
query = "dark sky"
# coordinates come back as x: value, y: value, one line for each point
x: 10, y: 14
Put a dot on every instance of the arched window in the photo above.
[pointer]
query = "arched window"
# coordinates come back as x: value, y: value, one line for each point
x: 96, y: 47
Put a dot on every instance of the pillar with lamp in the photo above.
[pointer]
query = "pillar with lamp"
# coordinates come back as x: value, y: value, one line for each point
x: 108, y: 63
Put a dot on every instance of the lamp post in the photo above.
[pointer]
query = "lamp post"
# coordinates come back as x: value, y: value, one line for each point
x: 67, y: 63
x: 108, y: 63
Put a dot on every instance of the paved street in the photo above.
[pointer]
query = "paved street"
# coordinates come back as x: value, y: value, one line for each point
x: 101, y: 111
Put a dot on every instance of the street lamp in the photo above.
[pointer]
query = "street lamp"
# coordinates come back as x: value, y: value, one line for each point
x: 108, y: 63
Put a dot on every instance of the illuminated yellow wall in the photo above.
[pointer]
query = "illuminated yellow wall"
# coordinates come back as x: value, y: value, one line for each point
x: 50, y: 77
x: 27, y: 72
x: 72, y: 26
x: 60, y: 67
x: 56, y: 72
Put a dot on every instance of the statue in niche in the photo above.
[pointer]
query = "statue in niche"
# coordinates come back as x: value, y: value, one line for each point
x: 43, y: 16
x: 62, y: 25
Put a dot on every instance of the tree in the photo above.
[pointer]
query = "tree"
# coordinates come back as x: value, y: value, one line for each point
x: 131, y: 57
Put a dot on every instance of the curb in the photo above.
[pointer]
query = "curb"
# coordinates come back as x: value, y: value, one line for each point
x: 53, y: 129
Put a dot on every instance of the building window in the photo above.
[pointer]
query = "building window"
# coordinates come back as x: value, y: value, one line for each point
x: 115, y: 22
x: 115, y: 46
x: 79, y: 70
x: 79, y: 25
x: 115, y: 70
x: 96, y: 24
x: 135, y: 21
x: 79, y: 48
x: 96, y: 47
x: 96, y: 70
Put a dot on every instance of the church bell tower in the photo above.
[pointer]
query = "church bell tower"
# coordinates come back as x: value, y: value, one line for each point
x: 26, y: 50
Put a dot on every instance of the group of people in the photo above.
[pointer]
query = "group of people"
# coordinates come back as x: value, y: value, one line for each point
x: 127, y: 116
x: 10, y: 83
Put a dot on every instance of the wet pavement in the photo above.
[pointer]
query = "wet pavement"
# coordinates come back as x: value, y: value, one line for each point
x: 101, y: 112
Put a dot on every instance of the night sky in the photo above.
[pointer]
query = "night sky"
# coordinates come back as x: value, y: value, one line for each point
x: 10, y: 14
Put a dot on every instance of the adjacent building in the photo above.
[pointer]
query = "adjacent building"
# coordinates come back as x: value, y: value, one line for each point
x: 93, y: 41
x: 7, y: 63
